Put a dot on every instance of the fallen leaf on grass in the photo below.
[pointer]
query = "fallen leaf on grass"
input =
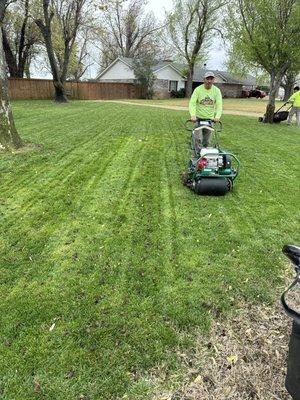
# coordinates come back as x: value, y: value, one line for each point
x: 37, y: 387
x: 52, y: 327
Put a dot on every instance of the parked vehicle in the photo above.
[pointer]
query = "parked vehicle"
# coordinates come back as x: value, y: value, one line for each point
x: 245, y: 93
x: 259, y: 94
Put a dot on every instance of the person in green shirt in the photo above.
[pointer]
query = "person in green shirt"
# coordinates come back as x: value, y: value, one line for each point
x: 206, y: 104
x: 295, y: 99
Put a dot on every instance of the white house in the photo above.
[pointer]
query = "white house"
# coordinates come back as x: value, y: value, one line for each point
x: 168, y: 77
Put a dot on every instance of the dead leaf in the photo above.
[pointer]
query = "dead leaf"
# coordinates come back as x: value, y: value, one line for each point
x: 37, y: 387
x: 198, y: 380
x: 232, y: 359
x: 52, y: 327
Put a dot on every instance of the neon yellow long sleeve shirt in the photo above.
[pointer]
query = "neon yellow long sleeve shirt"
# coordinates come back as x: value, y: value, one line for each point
x: 206, y: 104
x: 295, y: 99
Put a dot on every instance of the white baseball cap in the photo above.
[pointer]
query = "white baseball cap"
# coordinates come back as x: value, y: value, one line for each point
x: 208, y: 74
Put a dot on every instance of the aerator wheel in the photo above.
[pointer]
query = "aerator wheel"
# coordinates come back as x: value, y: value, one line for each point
x: 185, y: 179
x: 213, y: 186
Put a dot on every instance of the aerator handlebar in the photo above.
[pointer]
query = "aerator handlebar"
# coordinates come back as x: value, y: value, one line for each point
x: 283, y: 105
x: 208, y: 122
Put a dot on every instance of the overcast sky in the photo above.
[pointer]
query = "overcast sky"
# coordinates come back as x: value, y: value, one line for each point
x: 158, y: 6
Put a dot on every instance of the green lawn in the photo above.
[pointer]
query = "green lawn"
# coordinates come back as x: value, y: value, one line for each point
x: 109, y: 265
x: 243, y: 105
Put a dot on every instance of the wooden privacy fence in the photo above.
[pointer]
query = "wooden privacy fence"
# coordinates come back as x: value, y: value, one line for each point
x: 43, y: 89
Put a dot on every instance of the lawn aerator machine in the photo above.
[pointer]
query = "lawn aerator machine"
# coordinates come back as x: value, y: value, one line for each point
x: 211, y: 171
x: 279, y: 116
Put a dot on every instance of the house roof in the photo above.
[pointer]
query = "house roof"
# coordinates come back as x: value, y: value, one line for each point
x: 252, y: 81
x: 200, y: 72
x: 126, y: 60
x: 112, y: 64
x: 159, y: 65
x: 181, y: 69
x: 164, y: 64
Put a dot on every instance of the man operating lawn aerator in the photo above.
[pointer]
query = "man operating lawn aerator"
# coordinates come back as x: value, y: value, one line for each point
x: 206, y: 104
x: 211, y: 170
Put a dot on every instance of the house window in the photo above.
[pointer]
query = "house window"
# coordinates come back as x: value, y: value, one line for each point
x: 173, y: 85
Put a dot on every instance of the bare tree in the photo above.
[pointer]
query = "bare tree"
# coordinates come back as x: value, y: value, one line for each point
x: 9, y: 137
x: 79, y: 63
x: 69, y: 16
x: 191, y: 26
x: 19, y: 37
x: 127, y: 31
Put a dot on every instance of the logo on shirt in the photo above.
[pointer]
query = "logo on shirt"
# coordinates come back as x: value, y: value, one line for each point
x: 207, y: 101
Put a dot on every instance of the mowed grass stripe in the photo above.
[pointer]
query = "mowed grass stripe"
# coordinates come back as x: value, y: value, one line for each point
x: 90, y: 141
x: 68, y: 166
x: 71, y: 195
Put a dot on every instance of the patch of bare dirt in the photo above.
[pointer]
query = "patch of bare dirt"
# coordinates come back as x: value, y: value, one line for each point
x: 243, y: 359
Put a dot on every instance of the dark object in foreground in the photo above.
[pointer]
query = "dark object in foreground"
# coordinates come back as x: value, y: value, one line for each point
x: 211, y: 171
x: 292, y: 381
x: 278, y: 116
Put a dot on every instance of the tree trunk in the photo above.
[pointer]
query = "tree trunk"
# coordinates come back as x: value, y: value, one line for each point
x: 60, y: 93
x: 10, y: 59
x: 9, y: 137
x: 288, y: 88
x: 21, y: 68
x: 274, y: 86
x: 269, y: 113
x: 58, y: 83
x: 27, y: 70
x: 189, y: 82
x: 16, y: 68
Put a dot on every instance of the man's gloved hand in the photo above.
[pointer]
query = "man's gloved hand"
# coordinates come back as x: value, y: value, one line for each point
x: 193, y: 118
